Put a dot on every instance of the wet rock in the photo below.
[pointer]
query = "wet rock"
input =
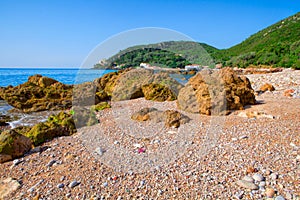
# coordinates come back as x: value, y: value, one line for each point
x: 213, y: 92
x: 247, y: 185
x: 8, y: 186
x: 13, y: 145
x: 61, y: 185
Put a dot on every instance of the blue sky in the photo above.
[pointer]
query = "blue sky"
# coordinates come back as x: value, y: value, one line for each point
x: 62, y: 33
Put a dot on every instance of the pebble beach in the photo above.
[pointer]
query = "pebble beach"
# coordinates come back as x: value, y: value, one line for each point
x: 232, y: 157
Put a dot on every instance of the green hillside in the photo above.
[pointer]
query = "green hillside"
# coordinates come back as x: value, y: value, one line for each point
x: 165, y: 54
x: 278, y: 45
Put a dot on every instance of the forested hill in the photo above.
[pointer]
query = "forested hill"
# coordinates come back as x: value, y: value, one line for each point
x: 277, y: 45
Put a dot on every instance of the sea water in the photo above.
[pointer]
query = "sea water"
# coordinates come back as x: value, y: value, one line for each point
x: 16, y: 76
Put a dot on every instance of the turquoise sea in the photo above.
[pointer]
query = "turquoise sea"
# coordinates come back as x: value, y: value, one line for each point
x: 16, y: 76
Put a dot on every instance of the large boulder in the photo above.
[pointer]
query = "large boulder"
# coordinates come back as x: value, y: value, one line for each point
x: 215, y: 92
x: 136, y: 83
x: 61, y: 124
x: 37, y: 94
x: 13, y: 145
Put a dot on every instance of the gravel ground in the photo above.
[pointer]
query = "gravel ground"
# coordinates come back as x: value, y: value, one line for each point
x: 230, y: 157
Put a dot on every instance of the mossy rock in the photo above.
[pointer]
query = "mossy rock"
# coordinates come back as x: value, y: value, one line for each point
x: 100, y: 106
x: 84, y: 117
x: 13, y: 145
x: 158, y: 92
x: 61, y: 124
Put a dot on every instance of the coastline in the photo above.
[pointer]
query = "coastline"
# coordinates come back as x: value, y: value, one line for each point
x: 265, y: 144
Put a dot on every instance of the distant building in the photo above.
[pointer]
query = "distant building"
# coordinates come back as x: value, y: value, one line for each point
x: 145, y: 65
x: 193, y: 67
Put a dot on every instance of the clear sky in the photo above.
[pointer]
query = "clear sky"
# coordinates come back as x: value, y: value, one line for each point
x: 62, y: 33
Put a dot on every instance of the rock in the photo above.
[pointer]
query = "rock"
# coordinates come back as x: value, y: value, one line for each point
x: 262, y: 184
x: 61, y: 124
x: 248, y: 178
x: 13, y: 145
x: 83, y: 116
x: 16, y: 162
x: 258, y: 177
x: 50, y: 163
x: 215, y: 92
x: 100, y: 106
x: 289, y: 93
x: 8, y: 186
x: 37, y: 94
x: 267, y: 87
x: 171, y: 118
x: 251, y: 170
x: 175, y: 118
x: 270, y: 192
x: 61, y: 185
x: 138, y: 83
x: 158, y: 92
x: 143, y: 114
x: 99, y: 151
x: 105, y: 184
x: 273, y: 176
x: 247, y: 185
x: 279, y: 198
x: 85, y: 94
x: 73, y: 184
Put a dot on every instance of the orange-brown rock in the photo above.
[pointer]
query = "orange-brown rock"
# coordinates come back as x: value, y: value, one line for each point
x: 267, y: 87
x: 215, y: 92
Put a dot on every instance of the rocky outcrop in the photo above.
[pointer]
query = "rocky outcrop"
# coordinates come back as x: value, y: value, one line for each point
x: 13, y: 145
x: 171, y: 118
x: 138, y: 83
x: 61, y: 124
x: 37, y: 94
x: 215, y: 92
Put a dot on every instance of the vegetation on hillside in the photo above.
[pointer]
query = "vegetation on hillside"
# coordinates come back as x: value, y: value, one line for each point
x: 277, y: 46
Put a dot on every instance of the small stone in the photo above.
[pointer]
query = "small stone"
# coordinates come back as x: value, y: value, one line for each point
x: 73, y: 184
x: 239, y: 195
x: 270, y: 192
x: 258, y: 177
x: 262, y: 184
x: 99, y: 151
x: 288, y: 195
x: 16, y: 162
x: 274, y: 176
x: 105, y: 184
x: 279, y: 198
x: 243, y: 137
x: 248, y: 178
x: 68, y: 195
x: 116, y: 142
x: 119, y: 198
x: 50, y: 163
x: 246, y: 184
x: 61, y: 185
x: 251, y: 170
x: 142, y: 182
